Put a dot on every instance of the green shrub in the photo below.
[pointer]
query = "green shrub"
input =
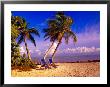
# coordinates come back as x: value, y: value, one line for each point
x: 21, y: 62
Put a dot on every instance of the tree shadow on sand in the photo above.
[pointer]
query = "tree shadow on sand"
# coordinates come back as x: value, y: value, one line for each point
x: 20, y: 68
x: 47, y: 67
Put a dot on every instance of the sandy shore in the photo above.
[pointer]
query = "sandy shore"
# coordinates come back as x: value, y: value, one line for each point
x: 63, y: 70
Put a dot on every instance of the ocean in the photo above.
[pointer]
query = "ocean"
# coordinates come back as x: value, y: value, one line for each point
x: 71, y: 58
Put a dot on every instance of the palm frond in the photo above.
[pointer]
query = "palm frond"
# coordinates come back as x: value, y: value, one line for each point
x: 51, y: 21
x: 54, y: 37
x: 24, y: 23
x: 32, y: 39
x: 47, y: 38
x: 34, y: 31
x: 46, y: 35
x: 21, y: 38
x: 45, y: 30
x: 73, y: 36
x: 66, y: 37
x: 59, y: 27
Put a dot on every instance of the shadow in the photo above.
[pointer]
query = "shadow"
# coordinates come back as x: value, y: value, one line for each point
x: 48, y: 67
x: 20, y: 69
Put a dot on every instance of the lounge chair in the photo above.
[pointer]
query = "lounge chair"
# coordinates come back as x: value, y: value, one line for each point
x: 43, y: 64
x: 51, y: 63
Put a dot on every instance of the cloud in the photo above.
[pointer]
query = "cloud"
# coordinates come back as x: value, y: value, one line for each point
x: 38, y: 52
x: 88, y: 42
x: 91, y: 34
x: 31, y: 51
x: 79, y: 50
x: 22, y: 51
x: 89, y: 37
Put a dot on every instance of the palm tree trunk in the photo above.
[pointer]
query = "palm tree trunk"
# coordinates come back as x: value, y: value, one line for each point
x: 56, y: 49
x: 48, y: 51
x: 58, y: 45
x: 27, y: 49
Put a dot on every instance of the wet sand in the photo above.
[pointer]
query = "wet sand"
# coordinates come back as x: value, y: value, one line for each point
x: 91, y: 69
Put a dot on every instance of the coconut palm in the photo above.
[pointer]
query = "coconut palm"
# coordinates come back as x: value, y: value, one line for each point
x: 65, y: 30
x: 50, y: 33
x: 26, y: 33
x: 60, y: 28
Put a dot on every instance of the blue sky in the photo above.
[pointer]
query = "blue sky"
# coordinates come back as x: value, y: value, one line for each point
x: 86, y: 26
x: 81, y: 18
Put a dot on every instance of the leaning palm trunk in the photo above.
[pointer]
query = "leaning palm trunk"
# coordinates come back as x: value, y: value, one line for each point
x: 55, y: 50
x: 27, y: 50
x: 57, y: 46
x: 48, y: 51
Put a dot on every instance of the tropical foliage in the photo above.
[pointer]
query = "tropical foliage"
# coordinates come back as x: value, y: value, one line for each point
x: 15, y: 51
x: 25, y: 34
x: 19, y: 28
x: 59, y: 27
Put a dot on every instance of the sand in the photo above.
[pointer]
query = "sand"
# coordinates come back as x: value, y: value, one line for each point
x: 91, y: 69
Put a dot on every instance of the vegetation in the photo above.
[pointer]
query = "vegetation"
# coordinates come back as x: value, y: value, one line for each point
x: 25, y: 34
x: 59, y: 28
x: 19, y: 28
x: 15, y: 52
x: 22, y: 63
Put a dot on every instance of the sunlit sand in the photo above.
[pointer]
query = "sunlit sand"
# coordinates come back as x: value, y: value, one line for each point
x: 91, y: 69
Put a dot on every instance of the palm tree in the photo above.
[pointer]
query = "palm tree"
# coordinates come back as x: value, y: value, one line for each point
x: 62, y: 29
x: 65, y: 31
x: 16, y: 23
x: 50, y: 33
x: 26, y: 33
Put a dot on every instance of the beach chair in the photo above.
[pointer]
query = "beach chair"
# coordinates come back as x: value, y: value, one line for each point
x: 43, y: 64
x: 51, y: 63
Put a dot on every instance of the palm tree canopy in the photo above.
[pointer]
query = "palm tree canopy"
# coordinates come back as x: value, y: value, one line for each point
x: 69, y: 34
x: 27, y: 33
x: 16, y: 22
x: 52, y: 30
x: 60, y: 27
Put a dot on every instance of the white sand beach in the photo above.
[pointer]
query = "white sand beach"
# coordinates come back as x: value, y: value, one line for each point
x: 91, y: 69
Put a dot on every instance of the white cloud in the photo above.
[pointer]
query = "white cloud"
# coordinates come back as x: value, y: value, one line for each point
x: 22, y: 50
x: 89, y: 37
x: 38, y: 52
x: 68, y: 50
x: 79, y: 50
x: 31, y: 51
x: 97, y: 49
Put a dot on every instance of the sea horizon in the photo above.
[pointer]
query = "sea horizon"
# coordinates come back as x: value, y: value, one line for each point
x: 72, y: 58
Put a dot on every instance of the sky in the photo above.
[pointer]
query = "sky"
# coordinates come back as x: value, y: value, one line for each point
x: 86, y: 26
